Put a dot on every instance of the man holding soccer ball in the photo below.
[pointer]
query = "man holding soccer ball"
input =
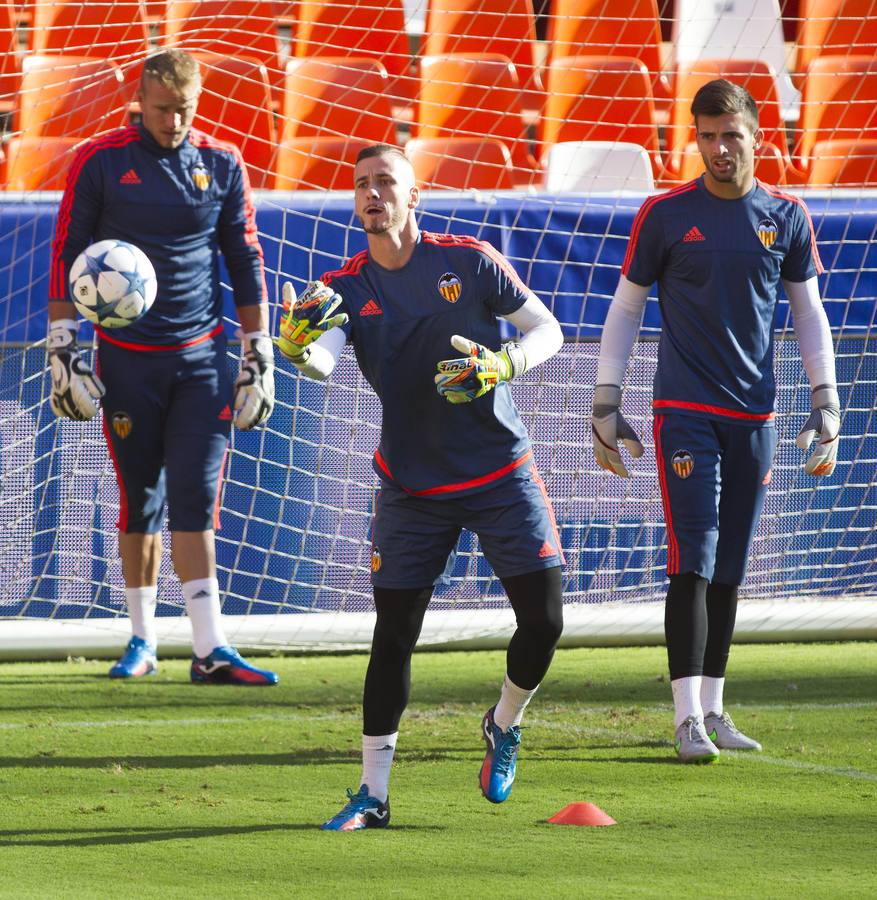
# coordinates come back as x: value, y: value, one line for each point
x: 421, y: 311
x: 168, y: 403
x: 718, y: 247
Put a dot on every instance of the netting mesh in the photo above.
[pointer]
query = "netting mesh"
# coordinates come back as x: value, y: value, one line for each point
x: 539, y: 129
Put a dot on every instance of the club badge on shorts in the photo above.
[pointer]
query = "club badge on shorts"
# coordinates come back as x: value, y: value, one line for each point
x: 201, y: 176
x: 767, y: 232
x: 450, y: 287
x: 122, y: 424
x: 683, y: 463
x: 376, y: 559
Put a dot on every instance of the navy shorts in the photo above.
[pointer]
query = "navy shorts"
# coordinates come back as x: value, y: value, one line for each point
x: 167, y: 419
x: 412, y: 537
x: 713, y: 477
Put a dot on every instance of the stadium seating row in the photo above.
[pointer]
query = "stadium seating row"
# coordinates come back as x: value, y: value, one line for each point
x: 593, y: 99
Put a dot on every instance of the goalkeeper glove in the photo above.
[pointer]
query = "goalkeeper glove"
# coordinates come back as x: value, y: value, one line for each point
x: 309, y: 317
x: 75, y: 388
x: 254, y: 388
x: 610, y: 427
x: 824, y: 424
x: 465, y: 379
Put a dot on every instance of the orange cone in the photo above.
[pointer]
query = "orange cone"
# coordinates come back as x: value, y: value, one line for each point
x: 582, y: 813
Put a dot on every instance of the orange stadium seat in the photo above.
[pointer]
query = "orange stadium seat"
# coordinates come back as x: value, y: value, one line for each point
x: 10, y: 73
x: 374, y: 29
x: 115, y: 31
x: 836, y: 27
x: 461, y: 163
x: 844, y: 163
x: 488, y: 26
x: 235, y: 105
x: 839, y: 102
x: 311, y: 163
x: 227, y: 28
x: 70, y: 96
x: 753, y: 74
x: 39, y: 164
x: 474, y: 97
x: 610, y: 28
x: 599, y: 98
x: 770, y: 164
x: 337, y: 97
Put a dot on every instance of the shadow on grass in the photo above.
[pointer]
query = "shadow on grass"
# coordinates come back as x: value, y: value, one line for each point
x: 196, y: 761
x: 94, y: 837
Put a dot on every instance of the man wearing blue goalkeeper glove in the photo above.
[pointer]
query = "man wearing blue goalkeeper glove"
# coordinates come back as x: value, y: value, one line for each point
x: 406, y: 299
x: 167, y: 398
x: 718, y: 248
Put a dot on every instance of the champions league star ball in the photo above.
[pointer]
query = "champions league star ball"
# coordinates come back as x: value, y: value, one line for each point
x: 112, y: 283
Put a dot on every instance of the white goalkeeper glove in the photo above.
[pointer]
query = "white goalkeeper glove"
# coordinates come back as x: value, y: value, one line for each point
x: 308, y: 318
x: 610, y: 427
x: 823, y: 424
x: 76, y: 390
x: 467, y: 378
x: 254, y: 388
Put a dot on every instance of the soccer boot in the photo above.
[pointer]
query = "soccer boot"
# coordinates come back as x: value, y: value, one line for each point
x: 360, y: 811
x: 692, y: 743
x: 137, y: 660
x: 722, y: 731
x: 226, y: 666
x: 498, y: 768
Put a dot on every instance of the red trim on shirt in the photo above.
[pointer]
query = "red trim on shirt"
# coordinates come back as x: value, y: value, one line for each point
x: 459, y: 486
x: 714, y: 410
x: 672, y: 542
x: 465, y: 240
x: 351, y: 267
x: 118, y: 138
x: 640, y: 217
x: 775, y: 192
x: 154, y: 347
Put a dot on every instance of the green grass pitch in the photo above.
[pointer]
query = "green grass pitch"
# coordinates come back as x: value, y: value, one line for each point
x: 164, y: 789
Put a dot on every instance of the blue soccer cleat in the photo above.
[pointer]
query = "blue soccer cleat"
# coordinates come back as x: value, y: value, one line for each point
x: 137, y: 660
x: 498, y: 768
x: 360, y: 811
x: 226, y: 666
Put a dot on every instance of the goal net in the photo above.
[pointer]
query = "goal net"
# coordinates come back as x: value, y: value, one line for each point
x: 541, y: 131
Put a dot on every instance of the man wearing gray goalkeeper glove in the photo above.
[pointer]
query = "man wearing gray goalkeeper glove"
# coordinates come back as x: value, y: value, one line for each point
x: 76, y: 390
x: 718, y: 249
x: 254, y: 388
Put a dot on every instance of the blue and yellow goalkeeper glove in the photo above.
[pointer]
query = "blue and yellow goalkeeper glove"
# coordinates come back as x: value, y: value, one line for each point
x: 307, y: 318
x: 467, y: 378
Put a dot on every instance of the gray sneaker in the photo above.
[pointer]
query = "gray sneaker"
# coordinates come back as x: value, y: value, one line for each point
x: 692, y: 744
x: 724, y: 733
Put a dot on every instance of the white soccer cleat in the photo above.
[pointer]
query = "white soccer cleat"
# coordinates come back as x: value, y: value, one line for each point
x: 722, y: 731
x: 692, y: 743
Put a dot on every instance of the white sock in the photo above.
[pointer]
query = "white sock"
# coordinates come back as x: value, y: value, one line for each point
x: 377, y: 758
x: 686, y: 698
x: 712, y: 695
x: 141, y: 602
x: 202, y: 604
x: 512, y: 703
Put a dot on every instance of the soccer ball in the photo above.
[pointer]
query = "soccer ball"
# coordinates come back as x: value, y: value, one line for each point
x: 112, y: 283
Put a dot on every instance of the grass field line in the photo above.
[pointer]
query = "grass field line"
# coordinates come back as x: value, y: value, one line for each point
x: 815, y: 768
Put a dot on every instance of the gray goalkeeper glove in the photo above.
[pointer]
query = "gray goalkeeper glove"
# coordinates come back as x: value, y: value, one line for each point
x: 609, y: 427
x: 254, y: 388
x: 823, y: 424
x: 75, y: 388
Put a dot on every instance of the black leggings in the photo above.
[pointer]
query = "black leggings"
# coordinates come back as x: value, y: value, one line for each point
x: 699, y: 620
x: 537, y: 601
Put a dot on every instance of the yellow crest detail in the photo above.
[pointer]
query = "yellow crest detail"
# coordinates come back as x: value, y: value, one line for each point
x: 767, y: 232
x: 683, y: 463
x: 450, y: 287
x: 122, y: 424
x: 376, y: 559
x: 201, y: 177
